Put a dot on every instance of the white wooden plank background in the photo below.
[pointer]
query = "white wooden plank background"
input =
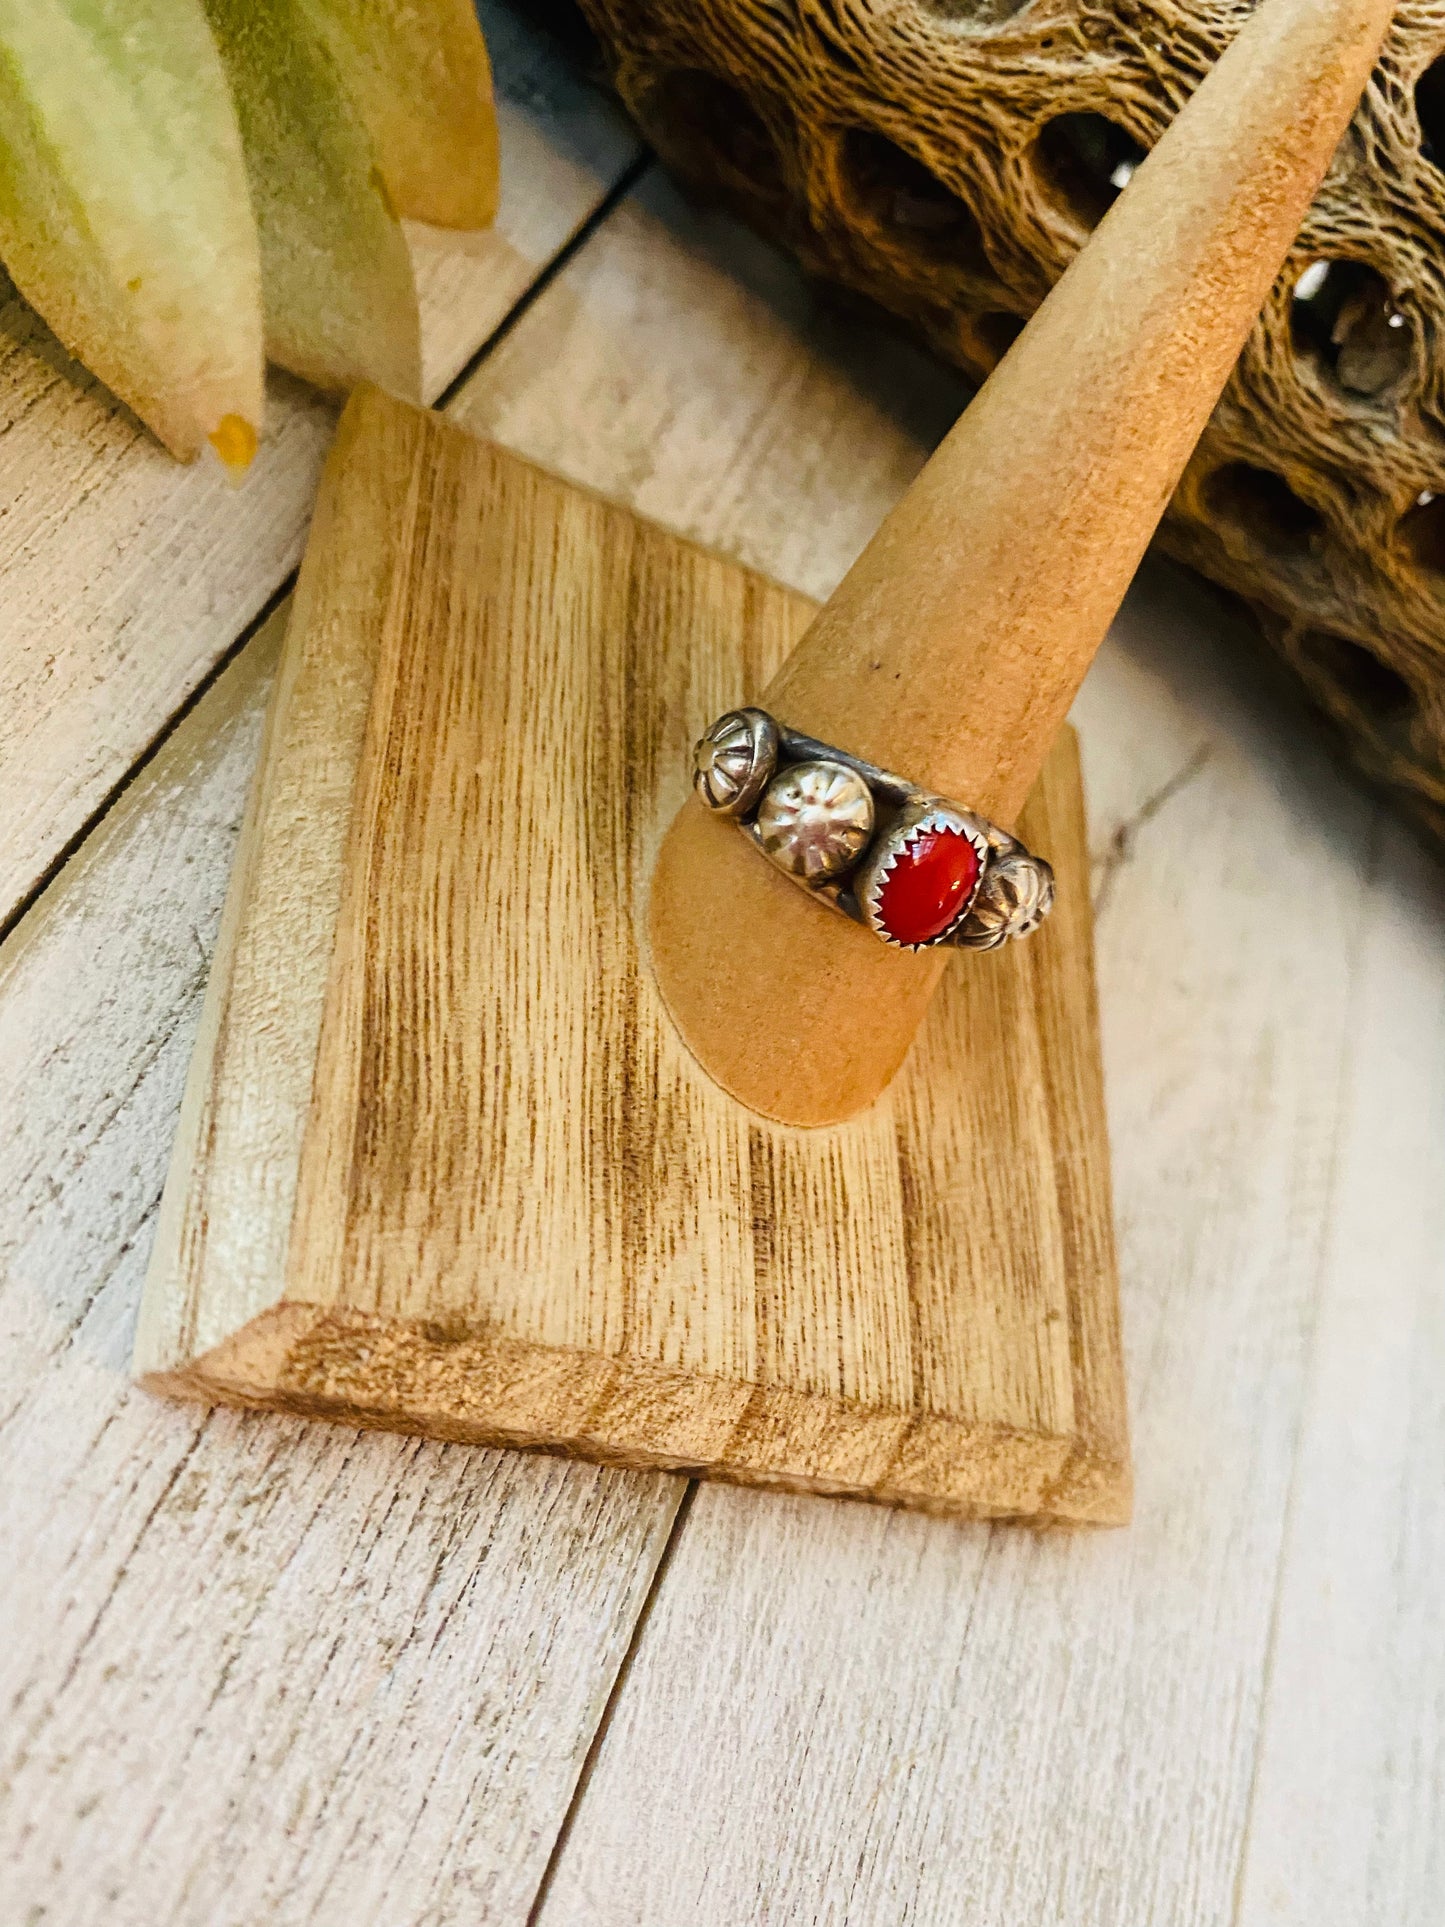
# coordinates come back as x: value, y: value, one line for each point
x: 256, y: 1671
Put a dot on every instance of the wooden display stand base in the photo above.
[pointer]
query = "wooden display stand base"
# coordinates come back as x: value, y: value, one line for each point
x: 443, y: 1165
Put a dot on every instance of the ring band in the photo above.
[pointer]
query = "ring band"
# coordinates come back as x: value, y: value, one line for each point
x: 917, y: 869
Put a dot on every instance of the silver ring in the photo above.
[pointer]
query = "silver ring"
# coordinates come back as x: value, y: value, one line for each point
x: 917, y: 869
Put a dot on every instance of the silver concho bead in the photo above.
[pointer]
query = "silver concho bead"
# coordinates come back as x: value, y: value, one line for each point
x: 734, y: 762
x: 1016, y: 894
x: 815, y: 820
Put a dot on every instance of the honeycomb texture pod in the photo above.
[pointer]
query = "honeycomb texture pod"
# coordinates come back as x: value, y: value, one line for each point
x: 947, y: 158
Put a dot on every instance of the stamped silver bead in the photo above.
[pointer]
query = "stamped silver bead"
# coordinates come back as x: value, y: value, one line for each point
x: 815, y: 820
x: 734, y: 762
x: 1016, y: 894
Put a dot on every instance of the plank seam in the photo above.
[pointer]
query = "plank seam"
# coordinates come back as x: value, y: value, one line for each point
x: 74, y: 844
x: 609, y: 1705
x: 626, y: 181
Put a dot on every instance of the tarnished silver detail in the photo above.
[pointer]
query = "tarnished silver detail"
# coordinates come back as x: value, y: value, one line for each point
x: 917, y: 817
x: 837, y: 825
x: 735, y: 761
x: 815, y: 820
x: 1015, y: 894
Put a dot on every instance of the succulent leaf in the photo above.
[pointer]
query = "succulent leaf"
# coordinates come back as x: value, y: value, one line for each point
x: 124, y: 212
x: 418, y: 71
x: 340, y: 303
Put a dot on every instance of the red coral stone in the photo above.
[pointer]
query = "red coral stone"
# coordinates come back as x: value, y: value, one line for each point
x: 930, y: 882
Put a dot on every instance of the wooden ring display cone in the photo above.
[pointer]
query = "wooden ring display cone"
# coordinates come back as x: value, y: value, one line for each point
x: 954, y: 646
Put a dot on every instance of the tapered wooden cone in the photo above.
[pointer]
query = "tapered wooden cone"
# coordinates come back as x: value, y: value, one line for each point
x: 954, y: 646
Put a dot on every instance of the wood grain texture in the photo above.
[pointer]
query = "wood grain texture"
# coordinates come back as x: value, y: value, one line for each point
x: 126, y: 576
x: 443, y: 1165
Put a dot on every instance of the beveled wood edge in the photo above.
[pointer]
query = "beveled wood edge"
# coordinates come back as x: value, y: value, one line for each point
x: 201, y: 1259
x: 482, y: 1387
